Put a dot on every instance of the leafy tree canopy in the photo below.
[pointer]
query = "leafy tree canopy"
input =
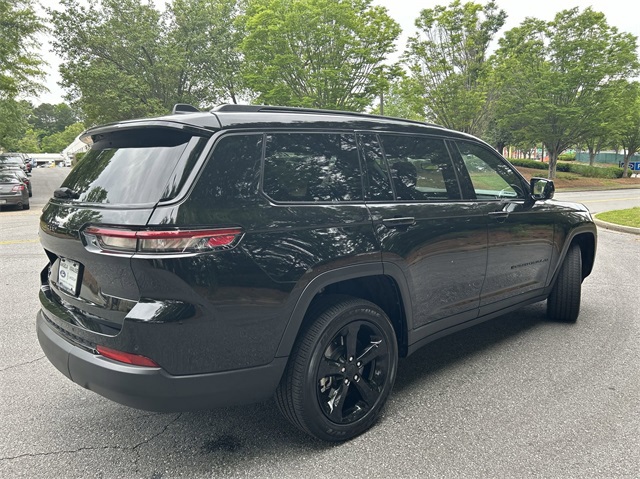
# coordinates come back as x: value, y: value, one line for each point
x: 124, y: 59
x: 60, y: 140
x: 48, y: 119
x: 553, y: 77
x: 447, y: 59
x: 317, y: 53
x: 19, y: 65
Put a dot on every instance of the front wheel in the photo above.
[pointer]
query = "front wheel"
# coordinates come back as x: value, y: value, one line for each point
x: 341, y: 370
x: 563, y: 303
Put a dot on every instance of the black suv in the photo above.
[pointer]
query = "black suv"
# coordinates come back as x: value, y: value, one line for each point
x: 213, y: 258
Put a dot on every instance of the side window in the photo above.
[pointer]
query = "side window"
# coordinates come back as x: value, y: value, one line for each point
x: 312, y: 167
x: 421, y: 168
x: 232, y: 172
x: 378, y: 181
x: 490, y: 177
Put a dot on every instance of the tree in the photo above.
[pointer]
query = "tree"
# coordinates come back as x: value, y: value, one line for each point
x: 28, y: 142
x: 125, y: 59
x: 204, y: 44
x: 402, y: 100
x: 554, y: 78
x: 19, y: 65
x: 13, y: 123
x: 447, y: 58
x: 48, y: 119
x: 112, y: 53
x: 59, y: 141
x: 317, y: 53
x: 629, y: 132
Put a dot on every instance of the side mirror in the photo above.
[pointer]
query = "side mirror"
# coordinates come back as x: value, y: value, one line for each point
x: 542, y: 189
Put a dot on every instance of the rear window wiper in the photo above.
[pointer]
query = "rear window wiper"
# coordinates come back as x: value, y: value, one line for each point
x: 66, y: 193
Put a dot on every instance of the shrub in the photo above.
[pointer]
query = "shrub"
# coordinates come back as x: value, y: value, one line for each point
x: 590, y: 171
x: 538, y: 165
x: 567, y: 157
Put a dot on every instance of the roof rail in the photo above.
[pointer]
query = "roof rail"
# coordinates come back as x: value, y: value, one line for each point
x: 183, y: 108
x: 294, y: 109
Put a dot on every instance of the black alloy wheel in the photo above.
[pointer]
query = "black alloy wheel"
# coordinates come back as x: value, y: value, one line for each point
x: 341, y: 370
x: 352, y: 372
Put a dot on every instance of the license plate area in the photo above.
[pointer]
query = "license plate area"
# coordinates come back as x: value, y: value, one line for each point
x: 69, y: 272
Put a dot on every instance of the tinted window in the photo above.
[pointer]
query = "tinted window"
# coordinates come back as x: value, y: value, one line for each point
x: 312, y: 167
x: 378, y: 180
x: 232, y: 172
x: 490, y: 176
x: 421, y: 168
x: 131, y: 168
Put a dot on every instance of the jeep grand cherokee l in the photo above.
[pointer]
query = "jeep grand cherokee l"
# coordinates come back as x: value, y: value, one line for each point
x: 204, y: 259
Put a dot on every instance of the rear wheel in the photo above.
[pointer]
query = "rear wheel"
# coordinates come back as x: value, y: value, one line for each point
x: 341, y: 370
x: 563, y: 303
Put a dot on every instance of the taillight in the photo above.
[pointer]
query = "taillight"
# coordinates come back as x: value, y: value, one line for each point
x: 165, y: 241
x: 127, y: 358
x: 17, y: 188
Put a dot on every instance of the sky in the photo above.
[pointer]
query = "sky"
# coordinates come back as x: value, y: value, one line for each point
x: 623, y: 14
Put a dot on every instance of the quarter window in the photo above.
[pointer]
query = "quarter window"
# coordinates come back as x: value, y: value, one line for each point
x: 319, y: 167
x: 233, y: 171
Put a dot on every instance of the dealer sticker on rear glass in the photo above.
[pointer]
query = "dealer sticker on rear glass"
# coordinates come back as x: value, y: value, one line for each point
x: 68, y: 275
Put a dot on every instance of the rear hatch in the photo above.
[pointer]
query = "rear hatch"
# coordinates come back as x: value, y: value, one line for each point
x: 116, y: 185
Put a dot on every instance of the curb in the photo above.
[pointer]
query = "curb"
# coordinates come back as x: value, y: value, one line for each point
x: 615, y: 227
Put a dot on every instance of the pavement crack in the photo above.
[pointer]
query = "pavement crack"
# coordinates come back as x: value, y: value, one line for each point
x: 147, y: 441
x: 164, y: 429
x: 22, y: 364
x: 54, y: 453
x: 97, y: 448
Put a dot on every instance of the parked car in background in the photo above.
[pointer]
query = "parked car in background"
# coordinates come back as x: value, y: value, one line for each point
x: 13, y: 192
x: 20, y: 174
x: 213, y: 258
x: 8, y: 159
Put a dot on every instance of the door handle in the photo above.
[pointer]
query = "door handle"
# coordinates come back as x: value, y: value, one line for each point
x: 404, y: 222
x: 499, y: 216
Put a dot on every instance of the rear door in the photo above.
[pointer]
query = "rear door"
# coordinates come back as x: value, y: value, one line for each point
x: 426, y: 230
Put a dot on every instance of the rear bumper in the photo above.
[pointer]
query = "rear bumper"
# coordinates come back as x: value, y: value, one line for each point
x: 11, y: 200
x: 154, y: 389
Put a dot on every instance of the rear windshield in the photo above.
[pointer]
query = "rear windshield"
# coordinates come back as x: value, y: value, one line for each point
x: 8, y: 178
x: 134, y: 168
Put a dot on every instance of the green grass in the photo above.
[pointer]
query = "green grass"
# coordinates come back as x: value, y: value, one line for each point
x: 628, y: 217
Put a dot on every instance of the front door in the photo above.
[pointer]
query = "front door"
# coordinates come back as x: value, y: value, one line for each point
x: 520, y: 236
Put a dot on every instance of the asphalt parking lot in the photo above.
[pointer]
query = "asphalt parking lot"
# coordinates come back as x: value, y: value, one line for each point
x: 517, y: 396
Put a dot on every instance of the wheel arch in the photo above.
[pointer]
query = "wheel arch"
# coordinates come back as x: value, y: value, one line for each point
x: 587, y: 243
x: 368, y: 282
x: 586, y: 238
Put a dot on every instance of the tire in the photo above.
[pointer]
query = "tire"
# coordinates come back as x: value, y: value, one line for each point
x: 563, y: 303
x: 26, y: 206
x: 341, y: 370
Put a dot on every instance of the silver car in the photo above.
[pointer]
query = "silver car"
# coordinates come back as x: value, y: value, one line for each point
x: 13, y: 192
